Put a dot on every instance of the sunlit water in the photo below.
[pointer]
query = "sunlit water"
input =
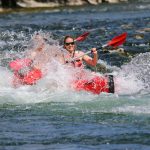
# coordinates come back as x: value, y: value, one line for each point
x: 50, y: 115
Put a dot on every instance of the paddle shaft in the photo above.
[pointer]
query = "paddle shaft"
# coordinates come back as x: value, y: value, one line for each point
x: 88, y: 52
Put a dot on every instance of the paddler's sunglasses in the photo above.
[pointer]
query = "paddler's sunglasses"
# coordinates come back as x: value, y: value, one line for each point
x: 72, y: 43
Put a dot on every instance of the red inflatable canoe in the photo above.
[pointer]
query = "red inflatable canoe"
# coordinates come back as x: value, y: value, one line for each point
x: 18, y: 64
x: 96, y: 85
x: 24, y: 74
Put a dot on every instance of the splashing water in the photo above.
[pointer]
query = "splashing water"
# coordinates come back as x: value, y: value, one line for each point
x: 134, y: 77
x: 46, y: 58
x: 131, y: 79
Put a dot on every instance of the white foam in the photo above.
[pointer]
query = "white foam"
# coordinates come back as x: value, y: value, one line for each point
x: 55, y: 85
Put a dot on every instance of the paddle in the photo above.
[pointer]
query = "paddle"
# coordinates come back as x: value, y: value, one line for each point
x: 116, y: 41
x: 82, y: 37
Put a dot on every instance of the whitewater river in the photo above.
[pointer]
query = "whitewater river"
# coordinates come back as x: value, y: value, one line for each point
x: 49, y: 115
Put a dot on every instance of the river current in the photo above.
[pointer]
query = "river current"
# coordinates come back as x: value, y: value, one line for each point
x: 49, y: 115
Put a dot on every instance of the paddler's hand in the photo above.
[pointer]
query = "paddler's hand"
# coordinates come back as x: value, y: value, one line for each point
x: 94, y: 51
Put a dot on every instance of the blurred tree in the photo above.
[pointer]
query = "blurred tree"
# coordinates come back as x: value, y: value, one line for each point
x: 9, y: 3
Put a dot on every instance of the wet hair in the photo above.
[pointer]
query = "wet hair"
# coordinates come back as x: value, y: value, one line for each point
x: 66, y: 37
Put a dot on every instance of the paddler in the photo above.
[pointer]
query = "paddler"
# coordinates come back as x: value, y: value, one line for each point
x: 95, y: 85
x: 70, y: 46
x: 27, y: 71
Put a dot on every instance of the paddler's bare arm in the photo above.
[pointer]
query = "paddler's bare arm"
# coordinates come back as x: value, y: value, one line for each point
x: 32, y: 55
x: 60, y: 58
x: 91, y: 61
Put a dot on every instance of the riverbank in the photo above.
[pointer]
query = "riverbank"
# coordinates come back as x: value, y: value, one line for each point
x: 32, y: 4
x: 101, y: 7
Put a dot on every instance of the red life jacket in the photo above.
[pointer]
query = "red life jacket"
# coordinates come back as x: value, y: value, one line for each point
x: 76, y: 63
